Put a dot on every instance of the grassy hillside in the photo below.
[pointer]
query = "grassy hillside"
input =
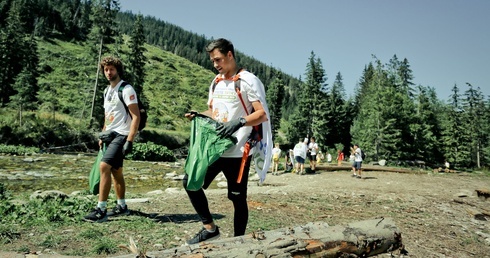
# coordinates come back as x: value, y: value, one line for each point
x: 67, y: 75
x: 173, y: 84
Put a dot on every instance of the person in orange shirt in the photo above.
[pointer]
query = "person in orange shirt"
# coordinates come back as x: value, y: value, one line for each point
x: 340, y: 157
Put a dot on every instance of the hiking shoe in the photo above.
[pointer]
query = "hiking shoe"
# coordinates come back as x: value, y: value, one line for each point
x: 204, y: 235
x: 118, y: 211
x: 354, y: 175
x: 96, y: 216
x: 359, y: 177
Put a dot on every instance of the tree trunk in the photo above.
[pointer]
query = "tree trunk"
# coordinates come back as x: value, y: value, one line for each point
x: 334, y: 167
x: 315, y: 239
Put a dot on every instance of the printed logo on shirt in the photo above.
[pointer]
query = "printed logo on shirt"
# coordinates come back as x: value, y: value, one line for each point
x: 132, y: 97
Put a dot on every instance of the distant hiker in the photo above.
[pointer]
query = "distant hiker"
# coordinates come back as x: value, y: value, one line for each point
x: 239, y: 110
x: 276, y: 155
x: 300, y: 150
x: 118, y: 133
x: 357, y: 165
x: 329, y: 158
x: 340, y: 157
x: 312, y: 150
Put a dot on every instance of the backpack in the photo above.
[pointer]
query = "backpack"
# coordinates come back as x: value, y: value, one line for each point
x: 256, y: 135
x: 141, y: 107
x: 363, y: 155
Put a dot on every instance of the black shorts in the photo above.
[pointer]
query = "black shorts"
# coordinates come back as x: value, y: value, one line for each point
x: 113, y: 154
x: 312, y: 157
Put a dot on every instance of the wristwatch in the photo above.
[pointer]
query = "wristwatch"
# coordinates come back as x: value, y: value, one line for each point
x: 243, y: 121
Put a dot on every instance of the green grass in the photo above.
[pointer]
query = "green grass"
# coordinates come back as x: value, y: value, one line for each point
x: 173, y: 84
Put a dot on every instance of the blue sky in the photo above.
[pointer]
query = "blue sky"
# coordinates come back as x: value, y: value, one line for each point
x: 446, y: 42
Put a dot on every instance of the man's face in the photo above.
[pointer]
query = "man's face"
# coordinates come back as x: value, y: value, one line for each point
x: 223, y: 63
x: 110, y: 73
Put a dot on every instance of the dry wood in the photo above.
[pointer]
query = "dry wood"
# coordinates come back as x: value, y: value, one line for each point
x: 483, y: 193
x: 370, y: 168
x: 358, y: 239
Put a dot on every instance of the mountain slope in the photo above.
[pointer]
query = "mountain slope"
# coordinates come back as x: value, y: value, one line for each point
x: 173, y: 84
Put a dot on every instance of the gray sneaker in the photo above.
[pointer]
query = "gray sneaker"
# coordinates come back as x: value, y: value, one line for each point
x: 118, y: 211
x: 97, y: 215
x: 204, y: 235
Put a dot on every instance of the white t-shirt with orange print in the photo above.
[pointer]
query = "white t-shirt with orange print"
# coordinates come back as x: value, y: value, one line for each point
x: 227, y: 106
x: 116, y: 117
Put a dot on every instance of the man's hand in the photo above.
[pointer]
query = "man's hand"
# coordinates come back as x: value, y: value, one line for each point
x: 228, y: 128
x: 191, y: 114
x: 127, y: 148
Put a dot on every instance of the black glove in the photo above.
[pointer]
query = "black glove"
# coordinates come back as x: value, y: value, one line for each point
x: 128, y: 146
x: 228, y: 128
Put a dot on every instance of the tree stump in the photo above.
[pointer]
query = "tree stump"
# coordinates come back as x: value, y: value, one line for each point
x: 315, y: 239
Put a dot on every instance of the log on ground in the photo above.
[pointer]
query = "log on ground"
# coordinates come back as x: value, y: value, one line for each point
x: 371, y: 168
x: 315, y: 239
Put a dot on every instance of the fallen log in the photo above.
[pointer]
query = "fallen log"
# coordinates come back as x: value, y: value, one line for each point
x: 370, y: 168
x: 358, y: 239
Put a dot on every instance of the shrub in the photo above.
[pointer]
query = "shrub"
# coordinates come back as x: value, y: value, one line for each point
x: 17, y: 150
x: 150, y: 151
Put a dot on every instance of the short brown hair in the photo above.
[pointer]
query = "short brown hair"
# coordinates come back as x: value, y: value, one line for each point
x: 114, y: 61
x: 222, y: 44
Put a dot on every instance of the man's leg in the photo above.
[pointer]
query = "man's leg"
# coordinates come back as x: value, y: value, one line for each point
x: 119, y: 183
x: 200, y: 203
x: 237, y: 193
x: 105, y: 181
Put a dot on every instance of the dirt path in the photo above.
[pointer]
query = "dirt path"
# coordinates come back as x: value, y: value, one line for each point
x: 439, y: 215
x: 435, y: 212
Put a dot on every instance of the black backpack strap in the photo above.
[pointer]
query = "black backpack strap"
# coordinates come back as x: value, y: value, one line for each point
x: 120, y: 94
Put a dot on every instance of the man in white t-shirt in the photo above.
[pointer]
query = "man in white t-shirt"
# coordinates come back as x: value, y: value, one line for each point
x: 313, y: 149
x: 120, y: 129
x: 226, y: 107
x: 357, y: 165
x: 299, y: 151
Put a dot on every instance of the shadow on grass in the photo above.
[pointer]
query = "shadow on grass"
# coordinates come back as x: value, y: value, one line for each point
x: 173, y: 218
x: 369, y: 177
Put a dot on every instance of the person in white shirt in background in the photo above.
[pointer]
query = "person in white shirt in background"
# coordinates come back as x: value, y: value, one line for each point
x: 313, y: 149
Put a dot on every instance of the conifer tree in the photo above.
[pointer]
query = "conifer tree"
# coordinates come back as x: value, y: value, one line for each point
x: 103, y: 32
x: 374, y: 127
x: 275, y: 97
x: 307, y: 112
x: 474, y: 107
x: 339, y: 122
x: 426, y: 126
x: 400, y: 76
x: 12, y: 48
x: 454, y: 135
x: 137, y: 59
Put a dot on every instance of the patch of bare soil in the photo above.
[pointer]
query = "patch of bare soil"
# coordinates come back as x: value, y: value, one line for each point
x: 439, y: 215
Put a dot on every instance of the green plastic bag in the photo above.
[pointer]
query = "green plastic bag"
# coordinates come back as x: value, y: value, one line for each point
x: 205, y: 148
x: 94, y: 177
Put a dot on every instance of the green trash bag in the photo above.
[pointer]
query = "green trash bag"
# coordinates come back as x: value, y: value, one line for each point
x: 94, y: 177
x: 204, y: 149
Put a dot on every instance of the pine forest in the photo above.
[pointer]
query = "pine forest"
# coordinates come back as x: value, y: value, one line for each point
x: 51, y: 90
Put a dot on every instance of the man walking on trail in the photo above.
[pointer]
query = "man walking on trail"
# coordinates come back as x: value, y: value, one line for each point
x: 237, y: 110
x: 118, y: 134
